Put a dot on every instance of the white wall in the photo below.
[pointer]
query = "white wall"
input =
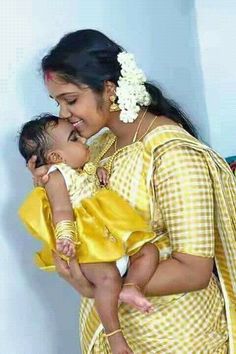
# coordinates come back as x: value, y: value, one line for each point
x: 163, y: 35
x: 216, y: 24
x: 38, y: 310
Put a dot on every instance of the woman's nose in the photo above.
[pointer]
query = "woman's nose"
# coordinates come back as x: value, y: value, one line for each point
x: 64, y: 113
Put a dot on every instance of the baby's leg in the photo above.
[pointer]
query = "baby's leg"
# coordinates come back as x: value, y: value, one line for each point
x: 142, y: 267
x: 107, y: 285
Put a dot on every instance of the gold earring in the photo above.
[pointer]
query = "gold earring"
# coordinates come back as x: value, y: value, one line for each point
x: 114, y: 107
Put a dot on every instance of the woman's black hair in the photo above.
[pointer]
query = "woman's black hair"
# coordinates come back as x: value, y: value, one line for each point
x: 34, y: 138
x: 89, y: 57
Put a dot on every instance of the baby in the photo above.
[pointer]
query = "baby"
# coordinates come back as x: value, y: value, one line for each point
x: 88, y: 222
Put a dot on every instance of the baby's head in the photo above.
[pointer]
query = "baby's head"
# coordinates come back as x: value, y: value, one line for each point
x: 52, y: 140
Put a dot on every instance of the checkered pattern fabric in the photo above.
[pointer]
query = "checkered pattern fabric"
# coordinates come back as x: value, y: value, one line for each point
x: 185, y: 201
x: 177, y: 184
x: 185, y: 323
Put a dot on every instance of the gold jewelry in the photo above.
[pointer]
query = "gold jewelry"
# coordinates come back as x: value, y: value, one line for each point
x: 107, y: 146
x: 148, y: 128
x: 114, y: 107
x: 136, y: 131
x: 112, y: 158
x: 90, y: 168
x: 114, y: 332
x: 66, y: 230
x: 132, y: 284
x: 115, y: 145
x: 138, y: 127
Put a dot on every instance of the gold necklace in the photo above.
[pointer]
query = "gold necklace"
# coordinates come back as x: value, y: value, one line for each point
x: 148, y: 128
x: 138, y: 127
x: 106, y: 147
x: 136, y: 131
x: 109, y: 164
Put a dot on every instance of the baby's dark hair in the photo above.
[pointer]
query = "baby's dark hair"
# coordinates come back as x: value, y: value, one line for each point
x: 34, y: 138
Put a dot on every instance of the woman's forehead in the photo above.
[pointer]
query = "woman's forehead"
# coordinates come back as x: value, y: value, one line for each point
x: 57, y: 88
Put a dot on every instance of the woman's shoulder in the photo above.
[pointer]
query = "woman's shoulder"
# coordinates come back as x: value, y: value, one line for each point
x: 165, y: 134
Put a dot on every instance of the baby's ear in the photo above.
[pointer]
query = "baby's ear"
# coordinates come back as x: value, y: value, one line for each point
x: 54, y: 157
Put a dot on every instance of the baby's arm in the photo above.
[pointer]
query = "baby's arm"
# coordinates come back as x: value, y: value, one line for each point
x: 62, y: 214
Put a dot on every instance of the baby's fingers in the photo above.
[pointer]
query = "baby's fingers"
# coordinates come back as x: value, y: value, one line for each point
x: 59, y: 245
x: 105, y: 178
x: 65, y: 248
x: 31, y: 164
x: 71, y: 250
x: 40, y: 174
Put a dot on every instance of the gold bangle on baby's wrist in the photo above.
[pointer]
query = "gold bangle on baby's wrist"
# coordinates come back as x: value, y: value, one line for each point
x: 65, y: 229
x: 65, y: 237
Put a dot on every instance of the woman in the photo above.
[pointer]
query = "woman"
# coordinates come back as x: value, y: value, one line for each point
x: 183, y: 187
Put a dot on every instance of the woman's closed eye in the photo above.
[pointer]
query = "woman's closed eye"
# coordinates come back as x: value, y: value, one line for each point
x: 71, y: 102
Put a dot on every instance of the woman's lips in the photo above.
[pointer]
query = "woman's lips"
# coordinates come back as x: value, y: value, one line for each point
x: 78, y: 123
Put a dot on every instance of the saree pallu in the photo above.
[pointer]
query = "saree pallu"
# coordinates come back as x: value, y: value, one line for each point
x: 202, y: 321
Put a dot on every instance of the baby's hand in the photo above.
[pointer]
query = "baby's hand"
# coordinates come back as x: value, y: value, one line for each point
x: 66, y: 247
x: 103, y: 176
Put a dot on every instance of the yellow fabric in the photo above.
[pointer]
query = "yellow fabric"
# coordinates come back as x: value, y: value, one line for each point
x: 189, y: 193
x: 107, y: 226
x: 192, y: 323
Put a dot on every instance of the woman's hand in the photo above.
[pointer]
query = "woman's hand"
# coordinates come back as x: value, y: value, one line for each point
x: 73, y: 275
x: 40, y: 176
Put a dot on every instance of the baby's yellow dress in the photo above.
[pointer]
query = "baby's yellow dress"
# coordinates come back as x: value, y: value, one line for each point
x: 107, y: 226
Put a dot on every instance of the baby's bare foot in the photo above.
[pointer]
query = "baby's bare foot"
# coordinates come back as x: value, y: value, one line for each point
x: 131, y: 295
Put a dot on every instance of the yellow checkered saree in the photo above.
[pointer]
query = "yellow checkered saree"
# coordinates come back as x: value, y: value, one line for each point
x: 189, y: 194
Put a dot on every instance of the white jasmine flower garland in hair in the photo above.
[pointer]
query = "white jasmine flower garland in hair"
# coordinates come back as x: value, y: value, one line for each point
x: 131, y: 91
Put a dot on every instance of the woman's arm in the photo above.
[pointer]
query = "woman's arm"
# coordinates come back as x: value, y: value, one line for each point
x: 181, y: 273
x: 72, y: 274
x: 184, y: 197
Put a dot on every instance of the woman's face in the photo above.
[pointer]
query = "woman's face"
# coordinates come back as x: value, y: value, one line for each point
x: 86, y: 110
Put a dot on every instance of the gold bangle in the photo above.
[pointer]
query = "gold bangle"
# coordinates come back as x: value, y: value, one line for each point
x: 65, y: 238
x: 132, y: 284
x: 65, y: 229
x: 114, y: 332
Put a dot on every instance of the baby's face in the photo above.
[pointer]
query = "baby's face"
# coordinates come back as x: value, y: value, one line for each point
x: 69, y: 145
